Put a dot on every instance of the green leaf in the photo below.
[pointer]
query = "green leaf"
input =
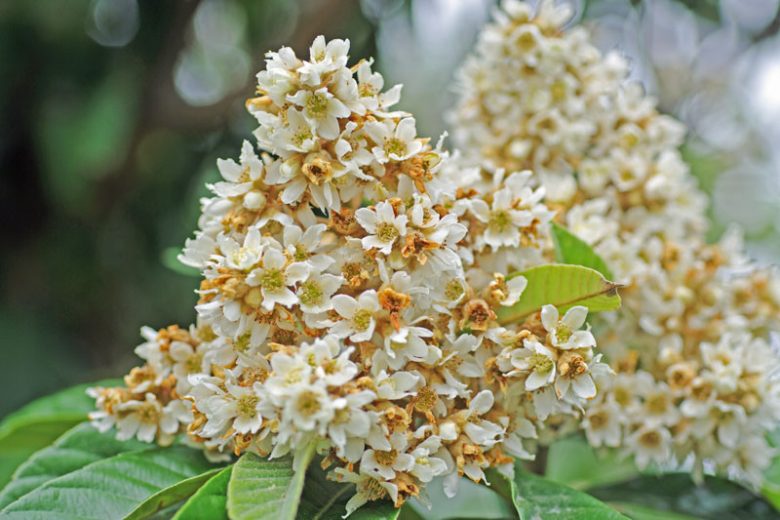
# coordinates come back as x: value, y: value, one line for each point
x: 715, y: 499
x: 292, y: 497
x: 268, y: 488
x: 570, y: 249
x: 535, y: 497
x: 170, y: 495
x: 573, y: 462
x: 76, y: 448
x: 39, y: 423
x: 257, y: 486
x: 563, y: 286
x: 109, y: 488
x: 210, y: 501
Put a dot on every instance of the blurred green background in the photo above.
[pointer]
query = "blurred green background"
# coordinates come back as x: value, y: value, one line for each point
x: 114, y: 112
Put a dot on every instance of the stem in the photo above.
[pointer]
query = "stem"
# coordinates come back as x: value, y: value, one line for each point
x: 292, y: 497
x: 330, y: 502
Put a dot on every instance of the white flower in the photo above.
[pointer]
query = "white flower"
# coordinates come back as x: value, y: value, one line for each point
x: 238, y: 409
x: 564, y: 333
x: 277, y: 79
x: 315, y: 294
x: 426, y: 464
x: 241, y: 256
x: 396, y: 385
x: 149, y: 419
x: 296, y: 136
x: 515, y: 287
x: 537, y: 361
x: 287, y: 373
x: 188, y: 360
x: 359, y: 316
x: 481, y: 431
x: 394, y: 142
x: 384, y: 464
x: 726, y: 420
x: 545, y: 402
x: 650, y: 444
x: 331, y: 365
x: 405, y: 344
x: 368, y: 488
x: 240, y: 179
x: 724, y: 359
x: 197, y: 251
x: 523, y: 429
x: 322, y: 110
x: 502, y: 219
x: 574, y: 381
x: 353, y: 152
x: 383, y: 226
x: 304, y: 246
x: 309, y: 407
x: 273, y: 280
x: 659, y: 405
x: 602, y: 425
x: 350, y: 420
x: 370, y: 86
x: 324, y: 57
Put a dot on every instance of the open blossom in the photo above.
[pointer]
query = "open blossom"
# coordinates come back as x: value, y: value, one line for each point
x: 383, y: 226
x: 322, y: 111
x: 359, y: 316
x: 349, y: 297
x: 145, y: 418
x: 274, y: 279
x: 563, y: 332
x: 395, y: 141
x: 603, y: 425
x: 538, y: 361
x: 514, y: 207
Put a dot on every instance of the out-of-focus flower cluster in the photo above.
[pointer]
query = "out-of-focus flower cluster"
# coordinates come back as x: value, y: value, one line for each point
x: 348, y: 300
x: 696, y: 383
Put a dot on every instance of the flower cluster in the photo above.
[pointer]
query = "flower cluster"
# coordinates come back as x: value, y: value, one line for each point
x: 348, y: 300
x: 696, y: 385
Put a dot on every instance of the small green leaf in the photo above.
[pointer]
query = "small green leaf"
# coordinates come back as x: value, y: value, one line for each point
x: 535, y: 497
x: 76, y: 448
x: 570, y: 249
x: 573, y: 462
x: 292, y: 497
x: 39, y: 423
x: 210, y: 501
x: 563, y: 286
x: 109, y: 488
x: 170, y: 495
x: 257, y: 486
